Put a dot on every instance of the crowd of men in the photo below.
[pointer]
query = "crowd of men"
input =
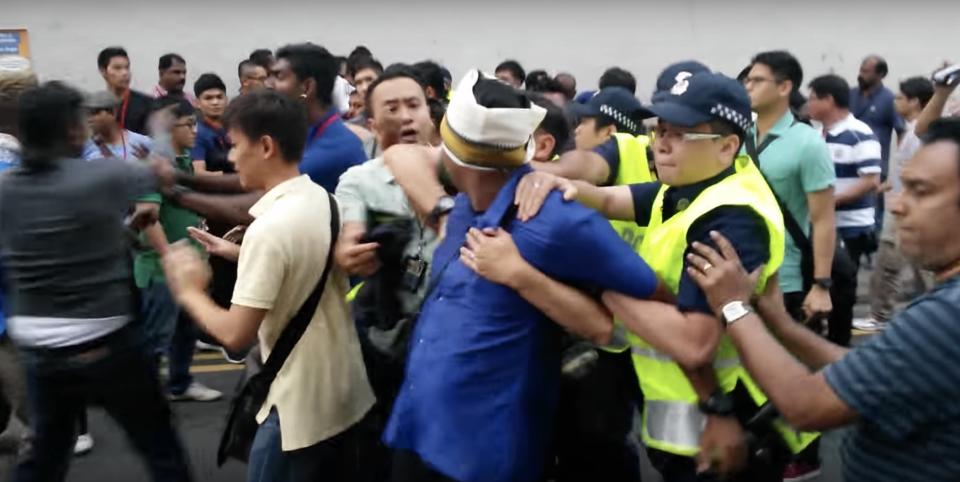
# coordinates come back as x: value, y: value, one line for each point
x: 497, y: 282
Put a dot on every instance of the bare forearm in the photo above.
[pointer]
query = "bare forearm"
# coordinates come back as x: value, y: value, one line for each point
x: 224, y: 184
x: 824, y: 245
x: 703, y: 379
x: 687, y: 340
x: 157, y: 239
x: 794, y: 390
x: 225, y: 208
x: 423, y: 196
x: 566, y: 306
x: 862, y: 187
x: 578, y: 165
x: 811, y: 349
x: 218, y: 322
x: 933, y: 110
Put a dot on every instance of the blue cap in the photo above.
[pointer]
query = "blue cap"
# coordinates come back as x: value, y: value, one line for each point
x: 674, y: 73
x: 702, y: 98
x: 614, y: 103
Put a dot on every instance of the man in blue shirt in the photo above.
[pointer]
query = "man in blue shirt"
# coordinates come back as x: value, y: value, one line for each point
x: 480, y: 391
x: 209, y: 153
x: 872, y: 103
x: 308, y: 72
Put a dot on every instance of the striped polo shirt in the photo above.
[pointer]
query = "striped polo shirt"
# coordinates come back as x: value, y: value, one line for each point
x: 905, y: 385
x: 855, y: 152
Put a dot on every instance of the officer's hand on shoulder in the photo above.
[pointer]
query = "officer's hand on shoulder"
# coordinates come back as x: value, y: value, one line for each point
x: 533, y: 189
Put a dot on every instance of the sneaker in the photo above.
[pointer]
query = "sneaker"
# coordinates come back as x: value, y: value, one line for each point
x: 867, y: 324
x: 84, y: 444
x: 798, y: 471
x: 204, y: 346
x: 196, y: 392
x: 235, y: 358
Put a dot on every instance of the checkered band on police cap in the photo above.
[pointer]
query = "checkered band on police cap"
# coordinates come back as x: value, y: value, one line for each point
x: 730, y: 115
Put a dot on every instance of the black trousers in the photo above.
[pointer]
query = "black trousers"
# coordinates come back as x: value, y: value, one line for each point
x: 408, y: 467
x: 595, y: 421
x: 676, y: 468
x: 116, y: 372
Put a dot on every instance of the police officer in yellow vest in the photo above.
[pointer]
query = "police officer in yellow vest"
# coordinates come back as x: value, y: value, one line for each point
x: 610, y: 148
x: 698, y: 397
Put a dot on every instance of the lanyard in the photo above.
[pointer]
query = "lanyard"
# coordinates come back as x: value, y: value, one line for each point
x: 217, y: 131
x: 323, y: 127
x: 123, y: 122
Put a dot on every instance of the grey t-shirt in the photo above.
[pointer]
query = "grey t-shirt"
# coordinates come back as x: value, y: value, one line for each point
x: 63, y: 241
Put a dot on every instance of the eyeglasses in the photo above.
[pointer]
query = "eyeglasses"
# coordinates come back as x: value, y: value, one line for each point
x: 190, y: 124
x: 675, y: 136
x: 757, y: 80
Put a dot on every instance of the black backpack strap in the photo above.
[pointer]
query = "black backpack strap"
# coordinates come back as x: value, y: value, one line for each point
x: 298, y: 325
x: 789, y: 222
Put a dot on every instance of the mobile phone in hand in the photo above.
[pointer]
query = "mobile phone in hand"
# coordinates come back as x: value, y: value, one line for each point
x: 948, y: 76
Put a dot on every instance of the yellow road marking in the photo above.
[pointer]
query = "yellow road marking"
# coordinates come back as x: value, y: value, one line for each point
x: 226, y: 367
x: 208, y: 356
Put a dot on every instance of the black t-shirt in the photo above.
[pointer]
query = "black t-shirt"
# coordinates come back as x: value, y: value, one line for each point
x: 137, y: 111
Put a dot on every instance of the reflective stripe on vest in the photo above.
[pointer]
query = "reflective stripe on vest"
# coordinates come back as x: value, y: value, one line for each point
x: 673, y: 427
x: 634, y: 169
x: 647, y: 352
x: 665, y: 387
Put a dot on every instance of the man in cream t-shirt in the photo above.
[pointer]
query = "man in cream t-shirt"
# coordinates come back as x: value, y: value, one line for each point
x: 307, y: 424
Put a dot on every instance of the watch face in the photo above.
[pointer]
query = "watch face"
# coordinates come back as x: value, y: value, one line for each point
x: 734, y: 311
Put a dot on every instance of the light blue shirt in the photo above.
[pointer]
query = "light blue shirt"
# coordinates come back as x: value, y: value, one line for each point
x: 795, y: 164
x: 123, y: 150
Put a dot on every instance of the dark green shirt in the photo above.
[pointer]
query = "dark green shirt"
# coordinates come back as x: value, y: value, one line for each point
x: 174, y: 219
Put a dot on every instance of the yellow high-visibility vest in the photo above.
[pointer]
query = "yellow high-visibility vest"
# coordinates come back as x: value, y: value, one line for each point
x: 634, y: 169
x: 672, y: 420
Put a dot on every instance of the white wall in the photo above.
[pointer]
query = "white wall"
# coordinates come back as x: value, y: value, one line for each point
x: 583, y: 37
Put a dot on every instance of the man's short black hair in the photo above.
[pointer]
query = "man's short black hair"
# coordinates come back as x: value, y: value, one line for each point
x: 833, y: 86
x: 395, y: 71
x: 181, y: 107
x: 727, y: 128
x: 207, y: 82
x: 354, y: 66
x: 167, y: 61
x: 919, y: 88
x: 103, y: 59
x: 536, y: 81
x: 617, y: 77
x: 262, y: 57
x: 783, y: 65
x: 46, y: 117
x: 360, y: 51
x: 944, y: 129
x: 882, y: 69
x: 554, y: 123
x: 431, y: 75
x: 514, y: 68
x: 244, y: 64
x: 270, y: 113
x: 311, y: 61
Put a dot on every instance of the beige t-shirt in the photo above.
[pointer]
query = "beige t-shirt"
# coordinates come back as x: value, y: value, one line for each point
x: 322, y: 388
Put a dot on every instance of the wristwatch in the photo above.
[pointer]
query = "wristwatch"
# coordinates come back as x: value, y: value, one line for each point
x: 735, y: 310
x: 443, y: 207
x: 719, y: 403
x: 825, y: 283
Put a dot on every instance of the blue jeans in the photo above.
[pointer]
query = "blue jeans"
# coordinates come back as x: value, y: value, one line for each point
x: 334, y: 459
x: 169, y: 330
x: 115, y: 372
